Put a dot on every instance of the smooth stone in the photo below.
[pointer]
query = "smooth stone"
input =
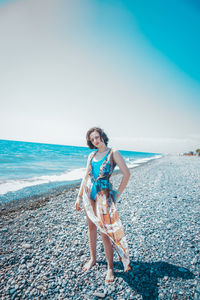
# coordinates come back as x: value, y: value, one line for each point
x: 12, y: 291
x: 182, y: 269
x: 26, y: 246
x: 100, y: 295
x: 40, y: 287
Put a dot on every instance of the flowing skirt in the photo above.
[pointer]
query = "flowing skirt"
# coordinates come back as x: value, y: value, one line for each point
x: 107, y: 221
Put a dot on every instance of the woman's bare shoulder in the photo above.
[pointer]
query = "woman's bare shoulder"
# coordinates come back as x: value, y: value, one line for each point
x: 115, y: 150
x: 91, y: 154
x: 116, y: 154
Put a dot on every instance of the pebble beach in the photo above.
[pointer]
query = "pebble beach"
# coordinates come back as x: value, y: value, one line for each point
x: 44, y: 241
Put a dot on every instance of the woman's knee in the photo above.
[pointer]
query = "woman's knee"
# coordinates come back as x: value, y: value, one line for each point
x: 91, y: 225
x: 105, y: 237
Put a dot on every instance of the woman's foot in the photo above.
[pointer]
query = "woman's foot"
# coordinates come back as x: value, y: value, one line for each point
x: 109, y: 276
x: 129, y: 268
x: 88, y: 265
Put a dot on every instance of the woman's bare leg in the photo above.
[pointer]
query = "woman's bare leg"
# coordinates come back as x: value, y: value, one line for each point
x: 92, y: 234
x: 108, y: 248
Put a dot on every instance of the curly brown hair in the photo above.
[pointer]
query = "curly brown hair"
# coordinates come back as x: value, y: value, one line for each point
x: 103, y: 136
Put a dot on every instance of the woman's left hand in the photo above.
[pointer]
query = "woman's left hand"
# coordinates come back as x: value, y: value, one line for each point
x: 117, y: 196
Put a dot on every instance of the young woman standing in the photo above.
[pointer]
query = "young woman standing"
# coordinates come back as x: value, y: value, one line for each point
x: 99, y: 200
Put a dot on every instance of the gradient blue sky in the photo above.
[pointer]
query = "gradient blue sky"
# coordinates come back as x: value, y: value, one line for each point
x: 130, y: 67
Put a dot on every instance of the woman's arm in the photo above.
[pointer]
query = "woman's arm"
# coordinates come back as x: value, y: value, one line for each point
x: 80, y: 193
x: 124, y: 169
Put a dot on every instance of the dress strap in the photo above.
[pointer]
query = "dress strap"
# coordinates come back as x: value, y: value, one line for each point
x: 95, y: 152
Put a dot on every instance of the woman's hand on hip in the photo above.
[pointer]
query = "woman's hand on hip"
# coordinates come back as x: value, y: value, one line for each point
x: 117, y: 196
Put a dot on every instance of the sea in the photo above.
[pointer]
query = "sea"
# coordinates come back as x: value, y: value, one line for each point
x: 29, y: 169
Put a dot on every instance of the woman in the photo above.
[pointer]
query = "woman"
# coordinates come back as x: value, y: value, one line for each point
x: 99, y: 201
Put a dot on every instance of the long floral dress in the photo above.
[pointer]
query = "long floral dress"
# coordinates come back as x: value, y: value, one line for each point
x: 107, y: 219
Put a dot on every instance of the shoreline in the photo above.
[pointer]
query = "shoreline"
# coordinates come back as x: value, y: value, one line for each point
x: 39, y: 200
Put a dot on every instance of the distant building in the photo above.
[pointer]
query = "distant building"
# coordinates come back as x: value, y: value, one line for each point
x: 189, y: 153
x: 192, y: 153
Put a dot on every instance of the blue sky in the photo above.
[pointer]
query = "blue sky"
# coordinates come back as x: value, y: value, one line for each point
x: 171, y: 27
x: 151, y: 30
x: 131, y: 67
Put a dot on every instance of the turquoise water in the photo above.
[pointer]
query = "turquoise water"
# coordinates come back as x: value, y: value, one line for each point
x: 32, y: 168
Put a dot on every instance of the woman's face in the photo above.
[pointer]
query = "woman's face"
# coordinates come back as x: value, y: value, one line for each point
x: 96, y: 139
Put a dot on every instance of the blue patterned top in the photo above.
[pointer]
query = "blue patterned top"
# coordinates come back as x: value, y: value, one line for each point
x: 96, y: 166
x: 95, y: 172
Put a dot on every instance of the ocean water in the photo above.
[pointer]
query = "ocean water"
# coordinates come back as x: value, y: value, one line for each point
x: 27, y: 169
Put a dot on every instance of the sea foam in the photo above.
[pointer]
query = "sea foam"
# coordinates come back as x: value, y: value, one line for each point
x: 15, y: 185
